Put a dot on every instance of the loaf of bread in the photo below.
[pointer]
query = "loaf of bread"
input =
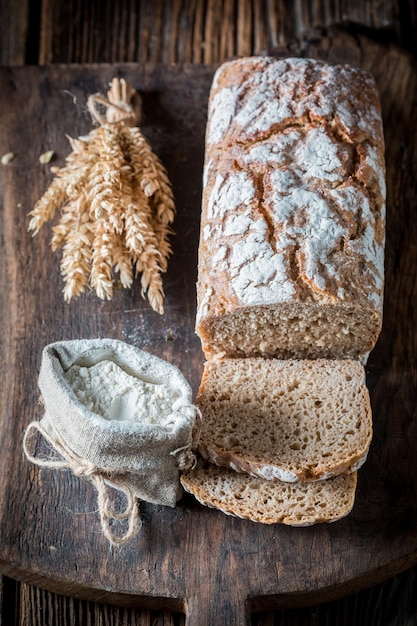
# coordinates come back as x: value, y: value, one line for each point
x: 291, y: 256
x: 272, y: 502
x: 285, y: 419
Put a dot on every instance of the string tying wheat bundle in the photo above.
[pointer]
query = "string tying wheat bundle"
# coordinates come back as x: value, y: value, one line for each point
x: 116, y: 204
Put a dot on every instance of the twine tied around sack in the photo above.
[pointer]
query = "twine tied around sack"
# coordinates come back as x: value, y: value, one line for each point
x: 138, y: 448
x: 99, y: 476
x: 184, y: 456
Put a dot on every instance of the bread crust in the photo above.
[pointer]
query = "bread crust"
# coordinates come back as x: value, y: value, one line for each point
x: 293, y: 208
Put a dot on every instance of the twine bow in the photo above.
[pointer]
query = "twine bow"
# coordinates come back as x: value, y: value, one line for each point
x: 122, y: 104
x: 99, y: 476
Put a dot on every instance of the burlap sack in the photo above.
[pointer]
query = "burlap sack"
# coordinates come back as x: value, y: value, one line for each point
x: 141, y: 459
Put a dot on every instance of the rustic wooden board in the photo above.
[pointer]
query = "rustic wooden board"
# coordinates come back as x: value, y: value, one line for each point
x: 214, y: 568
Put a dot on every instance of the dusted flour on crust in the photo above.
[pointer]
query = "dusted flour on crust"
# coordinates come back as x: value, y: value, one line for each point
x: 291, y: 258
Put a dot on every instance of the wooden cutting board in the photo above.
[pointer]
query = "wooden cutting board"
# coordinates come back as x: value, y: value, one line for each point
x: 190, y: 559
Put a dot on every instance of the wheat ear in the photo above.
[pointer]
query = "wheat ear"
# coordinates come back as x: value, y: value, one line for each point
x: 117, y: 204
x: 76, y: 241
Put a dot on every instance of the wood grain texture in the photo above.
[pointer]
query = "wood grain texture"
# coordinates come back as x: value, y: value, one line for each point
x: 39, y: 607
x: 14, y: 32
x: 392, y: 603
x: 379, y: 537
x: 184, y: 31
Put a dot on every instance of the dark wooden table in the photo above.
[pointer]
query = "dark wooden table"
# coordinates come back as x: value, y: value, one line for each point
x: 73, y: 31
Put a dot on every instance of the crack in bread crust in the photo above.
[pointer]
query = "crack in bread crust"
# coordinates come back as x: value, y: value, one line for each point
x: 294, y: 193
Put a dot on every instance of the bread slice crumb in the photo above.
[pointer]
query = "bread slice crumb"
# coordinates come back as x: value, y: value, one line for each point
x: 272, y: 502
x: 285, y: 419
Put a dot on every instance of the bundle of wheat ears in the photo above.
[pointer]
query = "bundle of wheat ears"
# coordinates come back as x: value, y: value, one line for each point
x: 116, y: 204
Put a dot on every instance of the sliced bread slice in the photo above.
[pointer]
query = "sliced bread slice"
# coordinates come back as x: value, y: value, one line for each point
x: 285, y: 419
x: 272, y: 502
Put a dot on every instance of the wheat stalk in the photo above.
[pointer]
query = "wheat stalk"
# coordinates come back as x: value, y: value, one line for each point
x: 45, y: 208
x: 102, y: 263
x: 152, y: 175
x: 142, y: 160
x: 76, y: 238
x: 162, y: 234
x: 116, y: 205
x: 122, y: 262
